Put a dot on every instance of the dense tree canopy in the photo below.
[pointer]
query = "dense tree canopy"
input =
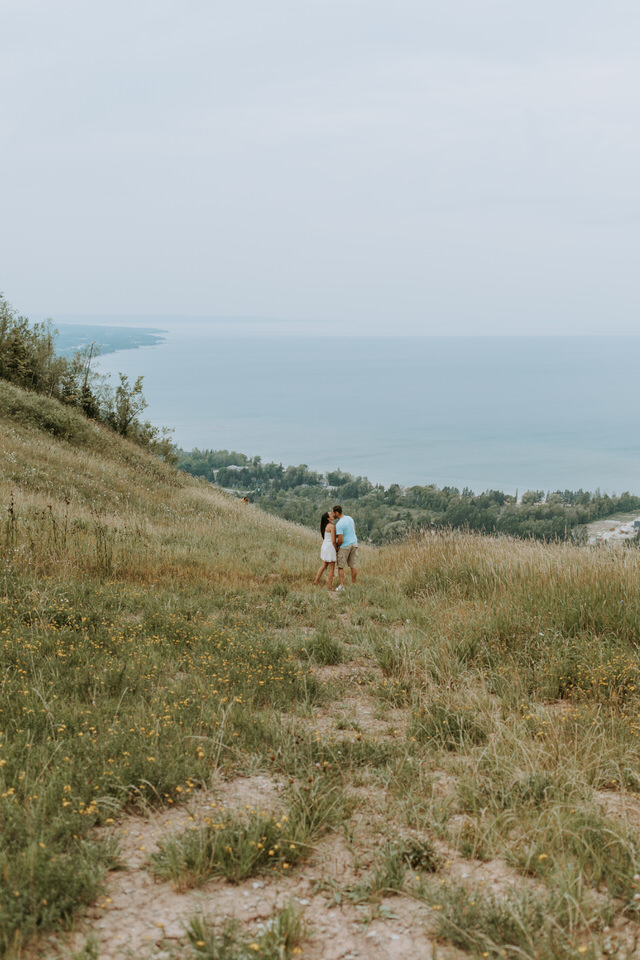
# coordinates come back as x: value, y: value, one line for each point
x: 387, y: 514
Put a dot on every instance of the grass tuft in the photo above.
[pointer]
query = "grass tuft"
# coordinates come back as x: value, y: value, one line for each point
x: 278, y: 938
x: 237, y: 846
x: 448, y: 727
x: 521, y: 924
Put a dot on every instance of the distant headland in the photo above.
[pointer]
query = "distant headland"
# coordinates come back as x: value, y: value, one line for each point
x: 75, y: 336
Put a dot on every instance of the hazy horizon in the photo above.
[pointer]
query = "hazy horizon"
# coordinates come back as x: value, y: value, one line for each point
x: 272, y: 326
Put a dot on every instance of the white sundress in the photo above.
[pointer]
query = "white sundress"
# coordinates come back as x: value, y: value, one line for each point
x: 328, y: 551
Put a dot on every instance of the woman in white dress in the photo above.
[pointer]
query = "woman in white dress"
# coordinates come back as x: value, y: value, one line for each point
x: 328, y: 549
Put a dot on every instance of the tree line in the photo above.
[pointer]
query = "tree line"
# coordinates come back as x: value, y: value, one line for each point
x: 385, y: 514
x: 29, y: 360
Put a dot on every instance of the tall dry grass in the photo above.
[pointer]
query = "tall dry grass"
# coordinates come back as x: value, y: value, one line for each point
x: 102, y: 507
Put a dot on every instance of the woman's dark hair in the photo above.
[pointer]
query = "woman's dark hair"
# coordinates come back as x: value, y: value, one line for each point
x: 324, y: 520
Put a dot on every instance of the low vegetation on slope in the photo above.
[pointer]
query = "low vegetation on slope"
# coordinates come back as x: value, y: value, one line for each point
x: 28, y: 359
x: 459, y: 730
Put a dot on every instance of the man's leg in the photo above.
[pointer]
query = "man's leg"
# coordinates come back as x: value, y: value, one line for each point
x: 354, y: 573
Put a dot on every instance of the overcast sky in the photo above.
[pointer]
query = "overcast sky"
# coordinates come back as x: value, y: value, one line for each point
x: 406, y: 166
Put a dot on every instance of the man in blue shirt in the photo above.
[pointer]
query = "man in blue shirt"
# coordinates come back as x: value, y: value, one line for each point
x: 347, y: 544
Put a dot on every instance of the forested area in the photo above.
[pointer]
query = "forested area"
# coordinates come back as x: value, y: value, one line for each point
x: 29, y: 360
x: 390, y: 513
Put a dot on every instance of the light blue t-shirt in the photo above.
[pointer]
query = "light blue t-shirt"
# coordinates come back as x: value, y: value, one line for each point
x: 347, y: 528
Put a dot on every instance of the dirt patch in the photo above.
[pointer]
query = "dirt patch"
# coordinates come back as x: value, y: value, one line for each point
x: 141, y: 917
x: 355, y: 671
x: 356, y: 718
x: 620, y: 806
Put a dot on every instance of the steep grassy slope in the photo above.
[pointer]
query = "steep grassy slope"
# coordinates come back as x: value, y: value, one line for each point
x: 92, y: 502
x: 459, y: 730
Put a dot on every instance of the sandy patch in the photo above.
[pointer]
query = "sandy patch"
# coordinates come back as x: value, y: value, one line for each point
x: 145, y: 918
x: 620, y: 806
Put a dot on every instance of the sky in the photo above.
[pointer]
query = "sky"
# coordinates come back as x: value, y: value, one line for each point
x: 398, y: 167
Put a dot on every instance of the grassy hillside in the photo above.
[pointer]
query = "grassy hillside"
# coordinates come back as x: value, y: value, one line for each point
x: 445, y: 754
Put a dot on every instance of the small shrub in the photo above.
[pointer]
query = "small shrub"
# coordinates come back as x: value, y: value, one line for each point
x: 325, y: 649
x: 281, y: 934
x: 446, y: 727
x: 389, y: 875
x: 90, y: 950
x: 420, y: 854
x: 472, y: 841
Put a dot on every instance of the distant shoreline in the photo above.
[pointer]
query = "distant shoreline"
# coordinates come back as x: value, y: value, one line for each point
x: 109, y: 339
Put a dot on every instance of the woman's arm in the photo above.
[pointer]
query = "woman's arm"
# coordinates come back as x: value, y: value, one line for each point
x: 332, y: 527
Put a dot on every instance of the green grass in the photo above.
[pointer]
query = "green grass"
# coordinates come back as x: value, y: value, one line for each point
x: 324, y: 647
x: 105, y: 710
x: 449, y: 727
x: 518, y: 925
x: 156, y: 636
x: 278, y: 938
x: 399, y: 859
x: 239, y: 846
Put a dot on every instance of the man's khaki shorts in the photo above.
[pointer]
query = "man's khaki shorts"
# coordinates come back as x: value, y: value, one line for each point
x: 348, y: 557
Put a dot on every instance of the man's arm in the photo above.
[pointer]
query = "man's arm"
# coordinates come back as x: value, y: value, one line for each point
x: 339, y: 539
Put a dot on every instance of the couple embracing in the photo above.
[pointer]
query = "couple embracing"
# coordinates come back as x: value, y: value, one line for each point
x: 339, y: 544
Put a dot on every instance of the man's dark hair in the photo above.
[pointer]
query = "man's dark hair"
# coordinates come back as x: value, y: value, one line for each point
x: 338, y: 509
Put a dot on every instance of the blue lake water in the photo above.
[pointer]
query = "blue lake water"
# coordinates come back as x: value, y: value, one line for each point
x: 483, y: 412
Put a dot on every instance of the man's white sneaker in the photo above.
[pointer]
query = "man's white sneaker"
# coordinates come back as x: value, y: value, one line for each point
x: 339, y: 588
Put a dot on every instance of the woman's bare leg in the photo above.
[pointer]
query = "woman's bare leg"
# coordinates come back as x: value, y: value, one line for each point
x: 320, y: 572
x: 330, y: 575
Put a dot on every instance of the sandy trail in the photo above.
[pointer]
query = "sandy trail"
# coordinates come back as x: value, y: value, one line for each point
x: 140, y: 916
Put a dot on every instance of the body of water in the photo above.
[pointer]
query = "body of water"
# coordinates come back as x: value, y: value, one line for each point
x: 504, y: 413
